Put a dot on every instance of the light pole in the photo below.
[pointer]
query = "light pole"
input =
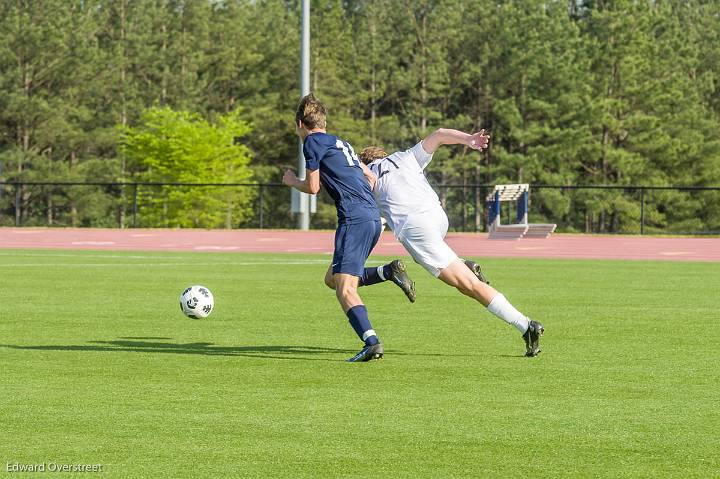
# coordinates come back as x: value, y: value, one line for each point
x: 303, y: 198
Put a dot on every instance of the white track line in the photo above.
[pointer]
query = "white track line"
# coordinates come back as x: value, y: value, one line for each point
x: 128, y: 256
x: 135, y: 265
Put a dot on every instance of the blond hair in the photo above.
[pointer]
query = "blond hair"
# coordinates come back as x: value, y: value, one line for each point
x: 372, y: 153
x: 311, y: 112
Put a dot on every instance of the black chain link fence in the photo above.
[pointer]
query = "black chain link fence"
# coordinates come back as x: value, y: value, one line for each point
x: 582, y: 209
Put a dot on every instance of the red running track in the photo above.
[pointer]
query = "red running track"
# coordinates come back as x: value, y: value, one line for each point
x: 285, y: 241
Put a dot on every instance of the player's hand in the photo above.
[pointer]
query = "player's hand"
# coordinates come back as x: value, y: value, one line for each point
x: 289, y: 178
x: 479, y: 140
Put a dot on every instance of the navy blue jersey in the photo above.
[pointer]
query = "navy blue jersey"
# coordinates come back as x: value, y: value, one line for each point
x: 342, y: 177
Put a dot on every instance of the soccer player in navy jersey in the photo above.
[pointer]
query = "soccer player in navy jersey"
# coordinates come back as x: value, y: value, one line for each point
x: 333, y: 163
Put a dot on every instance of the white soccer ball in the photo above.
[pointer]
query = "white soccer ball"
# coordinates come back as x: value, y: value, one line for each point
x: 197, y: 302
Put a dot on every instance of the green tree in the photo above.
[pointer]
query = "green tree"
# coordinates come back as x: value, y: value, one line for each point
x: 374, y: 71
x: 47, y: 64
x: 178, y: 146
x: 655, y: 125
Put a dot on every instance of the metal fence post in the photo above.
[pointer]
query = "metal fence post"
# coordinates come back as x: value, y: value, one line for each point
x: 475, y: 209
x: 642, y: 210
x: 18, y: 188
x: 135, y: 206
x: 261, y: 206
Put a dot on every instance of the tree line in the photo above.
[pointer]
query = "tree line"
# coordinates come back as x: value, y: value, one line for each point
x: 574, y: 92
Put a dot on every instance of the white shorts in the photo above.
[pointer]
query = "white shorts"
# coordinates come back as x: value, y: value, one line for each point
x: 424, y: 238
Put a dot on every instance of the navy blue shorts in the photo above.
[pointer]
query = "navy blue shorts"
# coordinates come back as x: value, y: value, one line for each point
x: 353, y: 244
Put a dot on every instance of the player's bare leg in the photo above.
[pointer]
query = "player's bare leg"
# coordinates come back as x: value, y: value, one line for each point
x: 329, y: 278
x: 346, y: 290
x: 394, y: 271
x: 459, y: 276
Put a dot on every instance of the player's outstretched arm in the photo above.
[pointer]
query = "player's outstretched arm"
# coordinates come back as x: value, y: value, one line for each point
x: 446, y: 136
x: 310, y: 185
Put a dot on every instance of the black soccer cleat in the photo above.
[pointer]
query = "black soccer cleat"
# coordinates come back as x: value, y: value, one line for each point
x: 400, y: 277
x: 532, y: 338
x: 475, y: 268
x: 368, y: 353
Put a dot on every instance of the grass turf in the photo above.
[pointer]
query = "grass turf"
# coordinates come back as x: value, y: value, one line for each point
x: 98, y: 366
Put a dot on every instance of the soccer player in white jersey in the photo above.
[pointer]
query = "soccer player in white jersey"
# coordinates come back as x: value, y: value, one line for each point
x: 413, y: 212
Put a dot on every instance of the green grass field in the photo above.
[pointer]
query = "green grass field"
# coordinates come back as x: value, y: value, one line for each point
x: 98, y: 366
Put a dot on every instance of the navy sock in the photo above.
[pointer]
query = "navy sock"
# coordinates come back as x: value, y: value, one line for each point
x: 371, y: 275
x: 358, y: 317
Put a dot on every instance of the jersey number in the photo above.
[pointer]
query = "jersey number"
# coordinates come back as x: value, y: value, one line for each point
x: 349, y: 153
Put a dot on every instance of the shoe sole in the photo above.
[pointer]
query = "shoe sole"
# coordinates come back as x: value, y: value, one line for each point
x: 532, y: 354
x: 374, y: 356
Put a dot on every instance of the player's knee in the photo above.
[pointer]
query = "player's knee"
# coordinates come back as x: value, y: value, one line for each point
x: 329, y: 281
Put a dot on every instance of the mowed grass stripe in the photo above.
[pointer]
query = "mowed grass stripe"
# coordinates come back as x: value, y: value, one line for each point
x: 99, y: 366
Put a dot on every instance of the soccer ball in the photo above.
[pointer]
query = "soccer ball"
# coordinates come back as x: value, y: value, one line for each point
x: 197, y: 302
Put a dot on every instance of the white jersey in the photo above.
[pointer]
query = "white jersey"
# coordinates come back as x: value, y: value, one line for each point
x: 401, y: 191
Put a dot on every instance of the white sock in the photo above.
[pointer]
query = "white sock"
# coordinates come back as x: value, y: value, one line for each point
x: 381, y: 273
x: 501, y: 307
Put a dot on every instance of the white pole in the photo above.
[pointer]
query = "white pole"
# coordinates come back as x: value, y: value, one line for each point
x: 304, y: 215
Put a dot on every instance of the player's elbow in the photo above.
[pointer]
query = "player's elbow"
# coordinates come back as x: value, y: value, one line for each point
x: 434, y: 140
x: 314, y: 189
x: 442, y: 135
